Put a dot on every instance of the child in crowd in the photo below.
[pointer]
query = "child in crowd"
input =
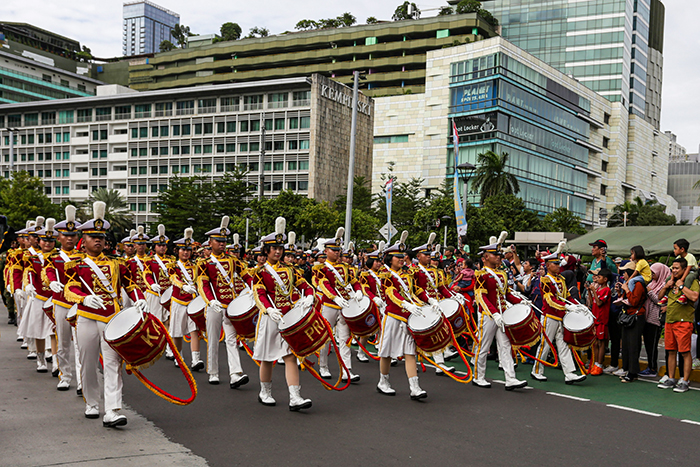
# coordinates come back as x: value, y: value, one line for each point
x: 680, y: 249
x: 642, y: 270
x: 464, y: 279
x: 601, y: 293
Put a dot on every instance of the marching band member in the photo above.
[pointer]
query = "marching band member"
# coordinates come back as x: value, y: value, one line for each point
x: 137, y: 263
x: 155, y: 274
x: 430, y: 289
x: 182, y: 275
x: 277, y: 288
x: 20, y: 278
x: 129, y: 252
x: 371, y: 281
x: 14, y: 271
x: 36, y: 325
x: 554, y: 305
x: 215, y: 280
x: 68, y: 236
x: 396, y: 341
x: 493, y: 297
x: 336, y: 285
x: 95, y: 283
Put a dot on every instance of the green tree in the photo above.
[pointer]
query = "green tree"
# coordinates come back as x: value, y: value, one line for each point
x: 371, y: 20
x: 361, y: 196
x: 230, y: 31
x: 306, y: 24
x: 187, y: 198
x: 440, y: 204
x: 180, y: 33
x: 488, y: 17
x: 117, y: 212
x: 491, y: 177
x: 407, y: 10
x: 22, y: 198
x: 346, y: 19
x: 85, y: 55
x: 317, y: 220
x: 406, y: 201
x: 640, y: 213
x: 563, y: 220
x: 446, y: 11
x: 329, y: 23
x: 468, y: 6
x: 258, y: 32
x: 231, y: 193
x: 166, y: 46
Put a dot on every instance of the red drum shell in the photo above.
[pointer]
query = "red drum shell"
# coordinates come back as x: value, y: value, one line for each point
x: 455, y: 315
x: 579, y: 330
x: 195, y: 310
x: 432, y: 334
x: 306, y: 333
x: 48, y: 310
x: 362, y: 318
x: 136, y: 337
x: 72, y: 316
x: 522, y: 326
x: 243, y: 314
x: 165, y: 297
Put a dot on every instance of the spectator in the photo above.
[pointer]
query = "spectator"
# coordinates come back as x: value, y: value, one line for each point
x: 570, y: 279
x: 679, y: 327
x: 464, y: 280
x: 448, y: 258
x: 600, y: 290
x: 652, y: 326
x: 680, y: 249
x: 632, y: 334
x: 524, y: 280
x: 642, y: 270
x: 599, y: 251
x: 614, y: 329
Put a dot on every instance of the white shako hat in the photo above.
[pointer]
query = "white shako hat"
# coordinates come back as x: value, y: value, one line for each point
x: 399, y: 248
x: 335, y: 243
x: 127, y: 240
x: 236, y: 242
x: 350, y: 250
x: 97, y: 226
x: 291, y: 245
x: 48, y: 232
x: 555, y: 256
x: 278, y: 237
x: 426, y: 247
x: 25, y: 231
x: 435, y: 254
x: 187, y: 241
x: 495, y: 244
x: 161, y: 238
x: 220, y: 233
x: 378, y: 252
x: 140, y: 236
x: 69, y: 226
x: 38, y: 225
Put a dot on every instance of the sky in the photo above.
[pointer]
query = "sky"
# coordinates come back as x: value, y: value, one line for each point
x: 98, y: 25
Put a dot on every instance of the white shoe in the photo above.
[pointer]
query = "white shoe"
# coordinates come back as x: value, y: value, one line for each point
x: 450, y: 354
x: 324, y: 372
x: 517, y: 384
x: 41, y: 364
x: 620, y: 372
x: 213, y: 379
x: 416, y: 392
x: 482, y: 383
x: 113, y: 419
x: 296, y: 402
x: 24, y: 344
x: 353, y: 377
x: 63, y: 385
x: 265, y: 396
x: 49, y: 356
x: 92, y: 411
x: 573, y: 378
x: 31, y: 356
x: 610, y: 369
x: 384, y: 387
x: 362, y: 357
x: 538, y: 377
x: 177, y: 365
x: 394, y: 361
x: 442, y: 368
x: 238, y: 380
x: 280, y: 361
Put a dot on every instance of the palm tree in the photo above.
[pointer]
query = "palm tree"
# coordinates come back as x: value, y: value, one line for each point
x: 491, y: 178
x: 117, y: 212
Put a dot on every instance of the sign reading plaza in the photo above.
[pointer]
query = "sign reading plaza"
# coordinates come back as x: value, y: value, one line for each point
x: 343, y: 98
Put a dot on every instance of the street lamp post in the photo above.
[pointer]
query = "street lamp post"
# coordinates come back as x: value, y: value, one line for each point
x: 465, y: 170
x: 12, y: 149
x: 247, y: 212
x: 445, y: 220
x: 351, y: 166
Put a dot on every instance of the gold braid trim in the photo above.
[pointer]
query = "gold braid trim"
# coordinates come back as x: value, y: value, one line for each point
x: 69, y: 294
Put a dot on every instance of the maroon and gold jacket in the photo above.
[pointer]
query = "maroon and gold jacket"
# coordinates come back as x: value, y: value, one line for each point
x: 269, y: 293
x: 372, y: 284
x: 492, y: 296
x: 213, y: 285
x: 398, y: 291
x: 328, y: 285
x: 429, y: 284
x: 56, y: 272
x: 138, y: 271
x: 153, y: 271
x: 36, y: 273
x: 79, y: 273
x: 554, y: 294
x: 178, y: 279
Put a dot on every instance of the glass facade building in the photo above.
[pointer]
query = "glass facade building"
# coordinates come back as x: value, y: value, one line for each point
x: 146, y: 25
x: 500, y: 104
x: 604, y: 44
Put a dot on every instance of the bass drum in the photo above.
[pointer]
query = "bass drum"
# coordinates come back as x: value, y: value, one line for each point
x: 304, y: 330
x: 522, y: 325
x: 579, y: 330
x: 136, y: 337
x: 432, y: 332
x: 195, y: 310
x: 454, y: 313
x: 362, y: 317
x: 165, y: 297
x: 243, y: 314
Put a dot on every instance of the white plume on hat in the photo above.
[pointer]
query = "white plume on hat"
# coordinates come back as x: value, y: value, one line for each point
x: 50, y: 222
x: 30, y: 224
x: 292, y: 238
x: 280, y: 225
x: 98, y: 209
x: 431, y: 238
x: 560, y: 247
x: 492, y: 239
x: 224, y: 222
x: 340, y: 232
x: 189, y: 231
x: 502, y: 237
x: 39, y: 222
x: 132, y: 232
x: 382, y: 245
x: 438, y: 247
x: 320, y: 242
x: 236, y: 238
x: 161, y: 230
x: 70, y: 213
x: 140, y: 230
x: 351, y: 246
x: 404, y: 236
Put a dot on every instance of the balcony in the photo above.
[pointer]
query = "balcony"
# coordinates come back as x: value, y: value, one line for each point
x: 301, y: 103
x: 182, y: 112
x: 206, y: 110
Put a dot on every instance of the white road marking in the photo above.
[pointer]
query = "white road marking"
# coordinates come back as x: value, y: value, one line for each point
x: 568, y: 397
x: 630, y: 409
x: 692, y: 422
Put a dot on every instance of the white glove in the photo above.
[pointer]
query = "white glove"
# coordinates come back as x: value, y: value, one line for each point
x: 29, y: 289
x: 190, y: 289
x: 498, y: 319
x: 274, y: 314
x: 56, y: 287
x: 341, y: 302
x: 460, y: 298
x: 413, y: 309
x: 155, y: 287
x: 433, y: 302
x: 571, y: 308
x: 20, y: 295
x: 216, y: 306
x: 379, y: 302
x: 307, y: 301
x: 141, y: 305
x: 358, y: 296
x: 94, y: 302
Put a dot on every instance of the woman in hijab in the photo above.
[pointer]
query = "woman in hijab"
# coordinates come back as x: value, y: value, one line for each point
x: 652, y: 329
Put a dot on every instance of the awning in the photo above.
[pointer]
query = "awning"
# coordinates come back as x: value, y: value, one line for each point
x: 655, y: 240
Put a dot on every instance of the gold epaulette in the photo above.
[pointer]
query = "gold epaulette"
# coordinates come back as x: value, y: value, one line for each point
x: 70, y: 264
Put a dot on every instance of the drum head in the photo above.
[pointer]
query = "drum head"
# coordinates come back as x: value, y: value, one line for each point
x: 515, y: 314
x: 356, y: 308
x: 419, y: 323
x: 73, y: 312
x: 122, y: 323
x: 296, y: 314
x: 577, y: 321
x: 241, y: 304
x: 47, y: 304
x: 166, y: 295
x: 449, y: 306
x: 196, y: 305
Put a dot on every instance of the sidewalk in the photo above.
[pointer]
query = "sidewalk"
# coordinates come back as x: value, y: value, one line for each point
x: 44, y: 427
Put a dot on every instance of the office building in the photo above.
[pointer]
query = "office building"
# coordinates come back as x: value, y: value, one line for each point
x: 36, y: 64
x: 683, y: 174
x: 676, y: 152
x: 146, y: 25
x: 135, y: 142
x: 568, y: 146
x: 392, y: 55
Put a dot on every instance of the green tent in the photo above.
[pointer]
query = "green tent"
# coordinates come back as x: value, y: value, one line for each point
x: 655, y: 240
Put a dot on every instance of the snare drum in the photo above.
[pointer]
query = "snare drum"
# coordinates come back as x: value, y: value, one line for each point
x: 432, y: 332
x: 195, y: 310
x: 72, y: 316
x: 455, y: 315
x: 243, y: 314
x: 165, y: 297
x: 522, y: 326
x: 136, y: 337
x: 579, y: 330
x: 362, y: 317
x: 304, y: 330
x: 48, y: 310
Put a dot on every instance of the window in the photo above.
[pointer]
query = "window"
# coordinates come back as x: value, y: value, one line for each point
x: 142, y: 206
x: 268, y: 166
x: 304, y: 144
x: 143, y: 132
x: 57, y: 190
x: 244, y: 125
x: 293, y: 145
x: 255, y: 125
x: 103, y: 135
x: 303, y: 186
x: 391, y: 139
x: 604, y: 166
x: 154, y: 170
x: 197, y: 149
x: 305, y: 122
x: 253, y: 102
x: 47, y: 118
x: 134, y: 133
x: 134, y: 170
x: 268, y: 124
x: 142, y: 111
x: 277, y: 100
x: 292, y: 186
x: 206, y: 106
x: 603, y: 189
x: 303, y: 165
x: 29, y: 120
x: 219, y: 148
x: 176, y: 130
x: 185, y: 169
x: 278, y: 166
x: 229, y: 104
x: 134, y: 152
x: 66, y: 156
x: 268, y: 145
x: 57, y: 138
x: 208, y: 128
x: 370, y: 41
x: 254, y: 147
x: 291, y: 165
x: 66, y: 137
x: 154, y: 151
x: 186, y: 129
x: 143, y: 170
x: 66, y: 173
x: 84, y: 115
x: 175, y: 150
x: 301, y: 98
x: 103, y: 113
x: 231, y: 167
x: 197, y: 128
x: 175, y: 169
x: 132, y: 206
x: 143, y: 152
x: 230, y: 127
x: 293, y: 123
x: 184, y: 108
x: 154, y: 132
x: 253, y: 166
x: 122, y: 112
x: 279, y: 146
x: 606, y: 118
x: 65, y: 116
x: 184, y: 150
x: 231, y: 147
x: 197, y: 168
x: 221, y: 127
x: 279, y: 124
x: 154, y: 188
x: 142, y: 188
x: 164, y: 151
x: 58, y: 173
x: 277, y: 186
x: 164, y: 109
x: 163, y: 169
x: 206, y: 168
x: 219, y: 167
x: 606, y: 141
x: 243, y: 147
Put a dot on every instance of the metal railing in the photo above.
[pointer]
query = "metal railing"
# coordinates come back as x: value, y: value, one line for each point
x: 47, y: 83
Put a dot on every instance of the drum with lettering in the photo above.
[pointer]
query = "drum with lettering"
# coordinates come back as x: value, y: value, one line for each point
x: 136, y: 337
x: 522, y: 326
x: 431, y: 331
x: 195, y: 310
x: 454, y: 313
x: 579, y: 330
x: 165, y: 297
x: 304, y: 330
x: 362, y: 317
x: 243, y: 314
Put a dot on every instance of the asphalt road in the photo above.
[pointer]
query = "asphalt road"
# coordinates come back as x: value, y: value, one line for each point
x: 456, y: 424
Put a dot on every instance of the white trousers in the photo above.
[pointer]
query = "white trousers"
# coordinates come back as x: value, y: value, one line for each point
x: 180, y: 322
x: 91, y: 343
x: 156, y: 308
x: 555, y: 331
x: 214, y: 323
x: 487, y: 331
x: 65, y: 335
x: 20, y: 303
x: 341, y: 331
